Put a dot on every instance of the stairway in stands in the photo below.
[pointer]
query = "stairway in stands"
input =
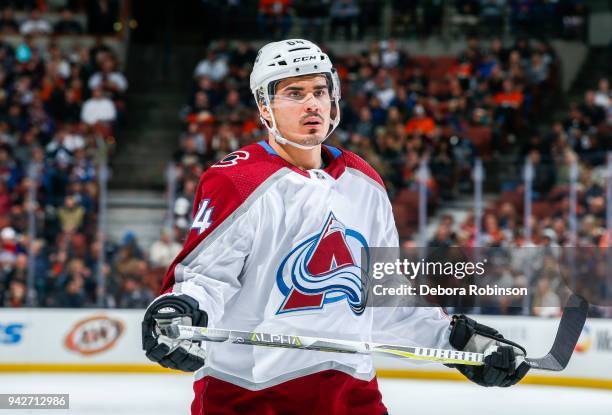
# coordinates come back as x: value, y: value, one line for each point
x: 140, y: 212
x: 598, y: 64
x: 158, y: 86
x: 156, y: 94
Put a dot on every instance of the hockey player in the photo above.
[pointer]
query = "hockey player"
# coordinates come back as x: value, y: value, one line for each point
x: 277, y: 232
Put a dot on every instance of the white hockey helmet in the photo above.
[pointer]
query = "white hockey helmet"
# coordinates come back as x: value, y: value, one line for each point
x: 286, y: 59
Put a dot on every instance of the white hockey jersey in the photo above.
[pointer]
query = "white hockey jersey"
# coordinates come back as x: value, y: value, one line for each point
x: 274, y: 248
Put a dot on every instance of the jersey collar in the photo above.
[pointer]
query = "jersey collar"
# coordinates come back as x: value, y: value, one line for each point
x: 334, y: 168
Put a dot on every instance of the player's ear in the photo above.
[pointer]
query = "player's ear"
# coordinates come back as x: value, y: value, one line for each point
x: 264, y: 110
x: 333, y: 112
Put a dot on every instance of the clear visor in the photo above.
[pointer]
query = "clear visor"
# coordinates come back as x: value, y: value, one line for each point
x: 314, y: 110
x: 315, y: 103
x: 297, y: 96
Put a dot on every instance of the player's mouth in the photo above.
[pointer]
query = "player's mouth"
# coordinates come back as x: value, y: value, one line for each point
x: 312, y: 122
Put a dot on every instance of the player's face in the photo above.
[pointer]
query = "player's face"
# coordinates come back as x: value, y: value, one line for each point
x: 302, y: 109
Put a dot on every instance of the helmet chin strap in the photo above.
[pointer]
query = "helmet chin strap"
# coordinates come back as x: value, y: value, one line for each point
x: 282, y: 140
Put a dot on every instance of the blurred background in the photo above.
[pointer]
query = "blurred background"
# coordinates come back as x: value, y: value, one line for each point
x: 490, y: 122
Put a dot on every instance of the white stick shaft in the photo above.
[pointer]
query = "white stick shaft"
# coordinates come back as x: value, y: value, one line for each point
x: 326, y: 345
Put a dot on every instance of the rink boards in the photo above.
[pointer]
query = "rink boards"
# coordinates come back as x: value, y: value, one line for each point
x: 55, y: 340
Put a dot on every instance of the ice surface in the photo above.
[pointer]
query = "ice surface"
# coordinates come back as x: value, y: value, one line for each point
x: 123, y: 394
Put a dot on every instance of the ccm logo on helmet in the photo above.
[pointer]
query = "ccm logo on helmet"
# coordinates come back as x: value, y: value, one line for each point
x: 305, y: 59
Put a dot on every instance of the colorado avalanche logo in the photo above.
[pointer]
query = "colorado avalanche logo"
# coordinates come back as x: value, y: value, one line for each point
x: 323, y: 270
x: 232, y: 159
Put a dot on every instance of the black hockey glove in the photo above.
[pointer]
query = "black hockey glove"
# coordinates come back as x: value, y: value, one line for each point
x: 502, y: 367
x: 168, y: 310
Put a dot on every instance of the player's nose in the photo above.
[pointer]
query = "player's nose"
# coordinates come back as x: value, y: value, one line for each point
x: 311, y: 104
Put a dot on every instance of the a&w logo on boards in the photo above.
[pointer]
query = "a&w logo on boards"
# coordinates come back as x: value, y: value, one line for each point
x: 323, y: 269
x: 94, y: 335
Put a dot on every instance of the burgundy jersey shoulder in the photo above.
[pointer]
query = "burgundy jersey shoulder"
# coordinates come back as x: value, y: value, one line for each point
x: 353, y: 161
x: 223, y: 189
x: 242, y: 170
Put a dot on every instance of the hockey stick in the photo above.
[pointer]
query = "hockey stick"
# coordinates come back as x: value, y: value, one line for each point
x: 569, y: 330
x: 571, y: 324
x: 194, y: 333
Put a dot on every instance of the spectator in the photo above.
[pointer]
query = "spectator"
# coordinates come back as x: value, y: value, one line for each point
x: 603, y: 95
x: 134, y: 294
x: 443, y: 238
x: 364, y: 126
x: 594, y: 113
x: 232, y: 109
x: 492, y: 234
x: 57, y: 149
x: 5, y: 199
x: 113, y: 81
x: 130, y: 245
x: 8, y: 237
x: 190, y: 153
x: 510, y: 96
x: 420, y: 123
x: 544, y: 174
x: 182, y: 208
x: 68, y: 24
x: 200, y: 111
x: 41, y: 268
x: 8, y: 24
x: 72, y: 295
x: 16, y: 296
x: 199, y: 139
x: 242, y: 57
x: 391, y: 56
x: 68, y: 107
x: 163, y: 251
x: 35, y: 25
x: 538, y: 71
x: 212, y: 67
x: 25, y: 50
x: 546, y: 303
x: 98, y: 108
x: 10, y: 249
x: 71, y: 215
x: 224, y: 142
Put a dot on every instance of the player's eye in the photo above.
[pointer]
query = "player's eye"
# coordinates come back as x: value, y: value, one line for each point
x: 295, y: 95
